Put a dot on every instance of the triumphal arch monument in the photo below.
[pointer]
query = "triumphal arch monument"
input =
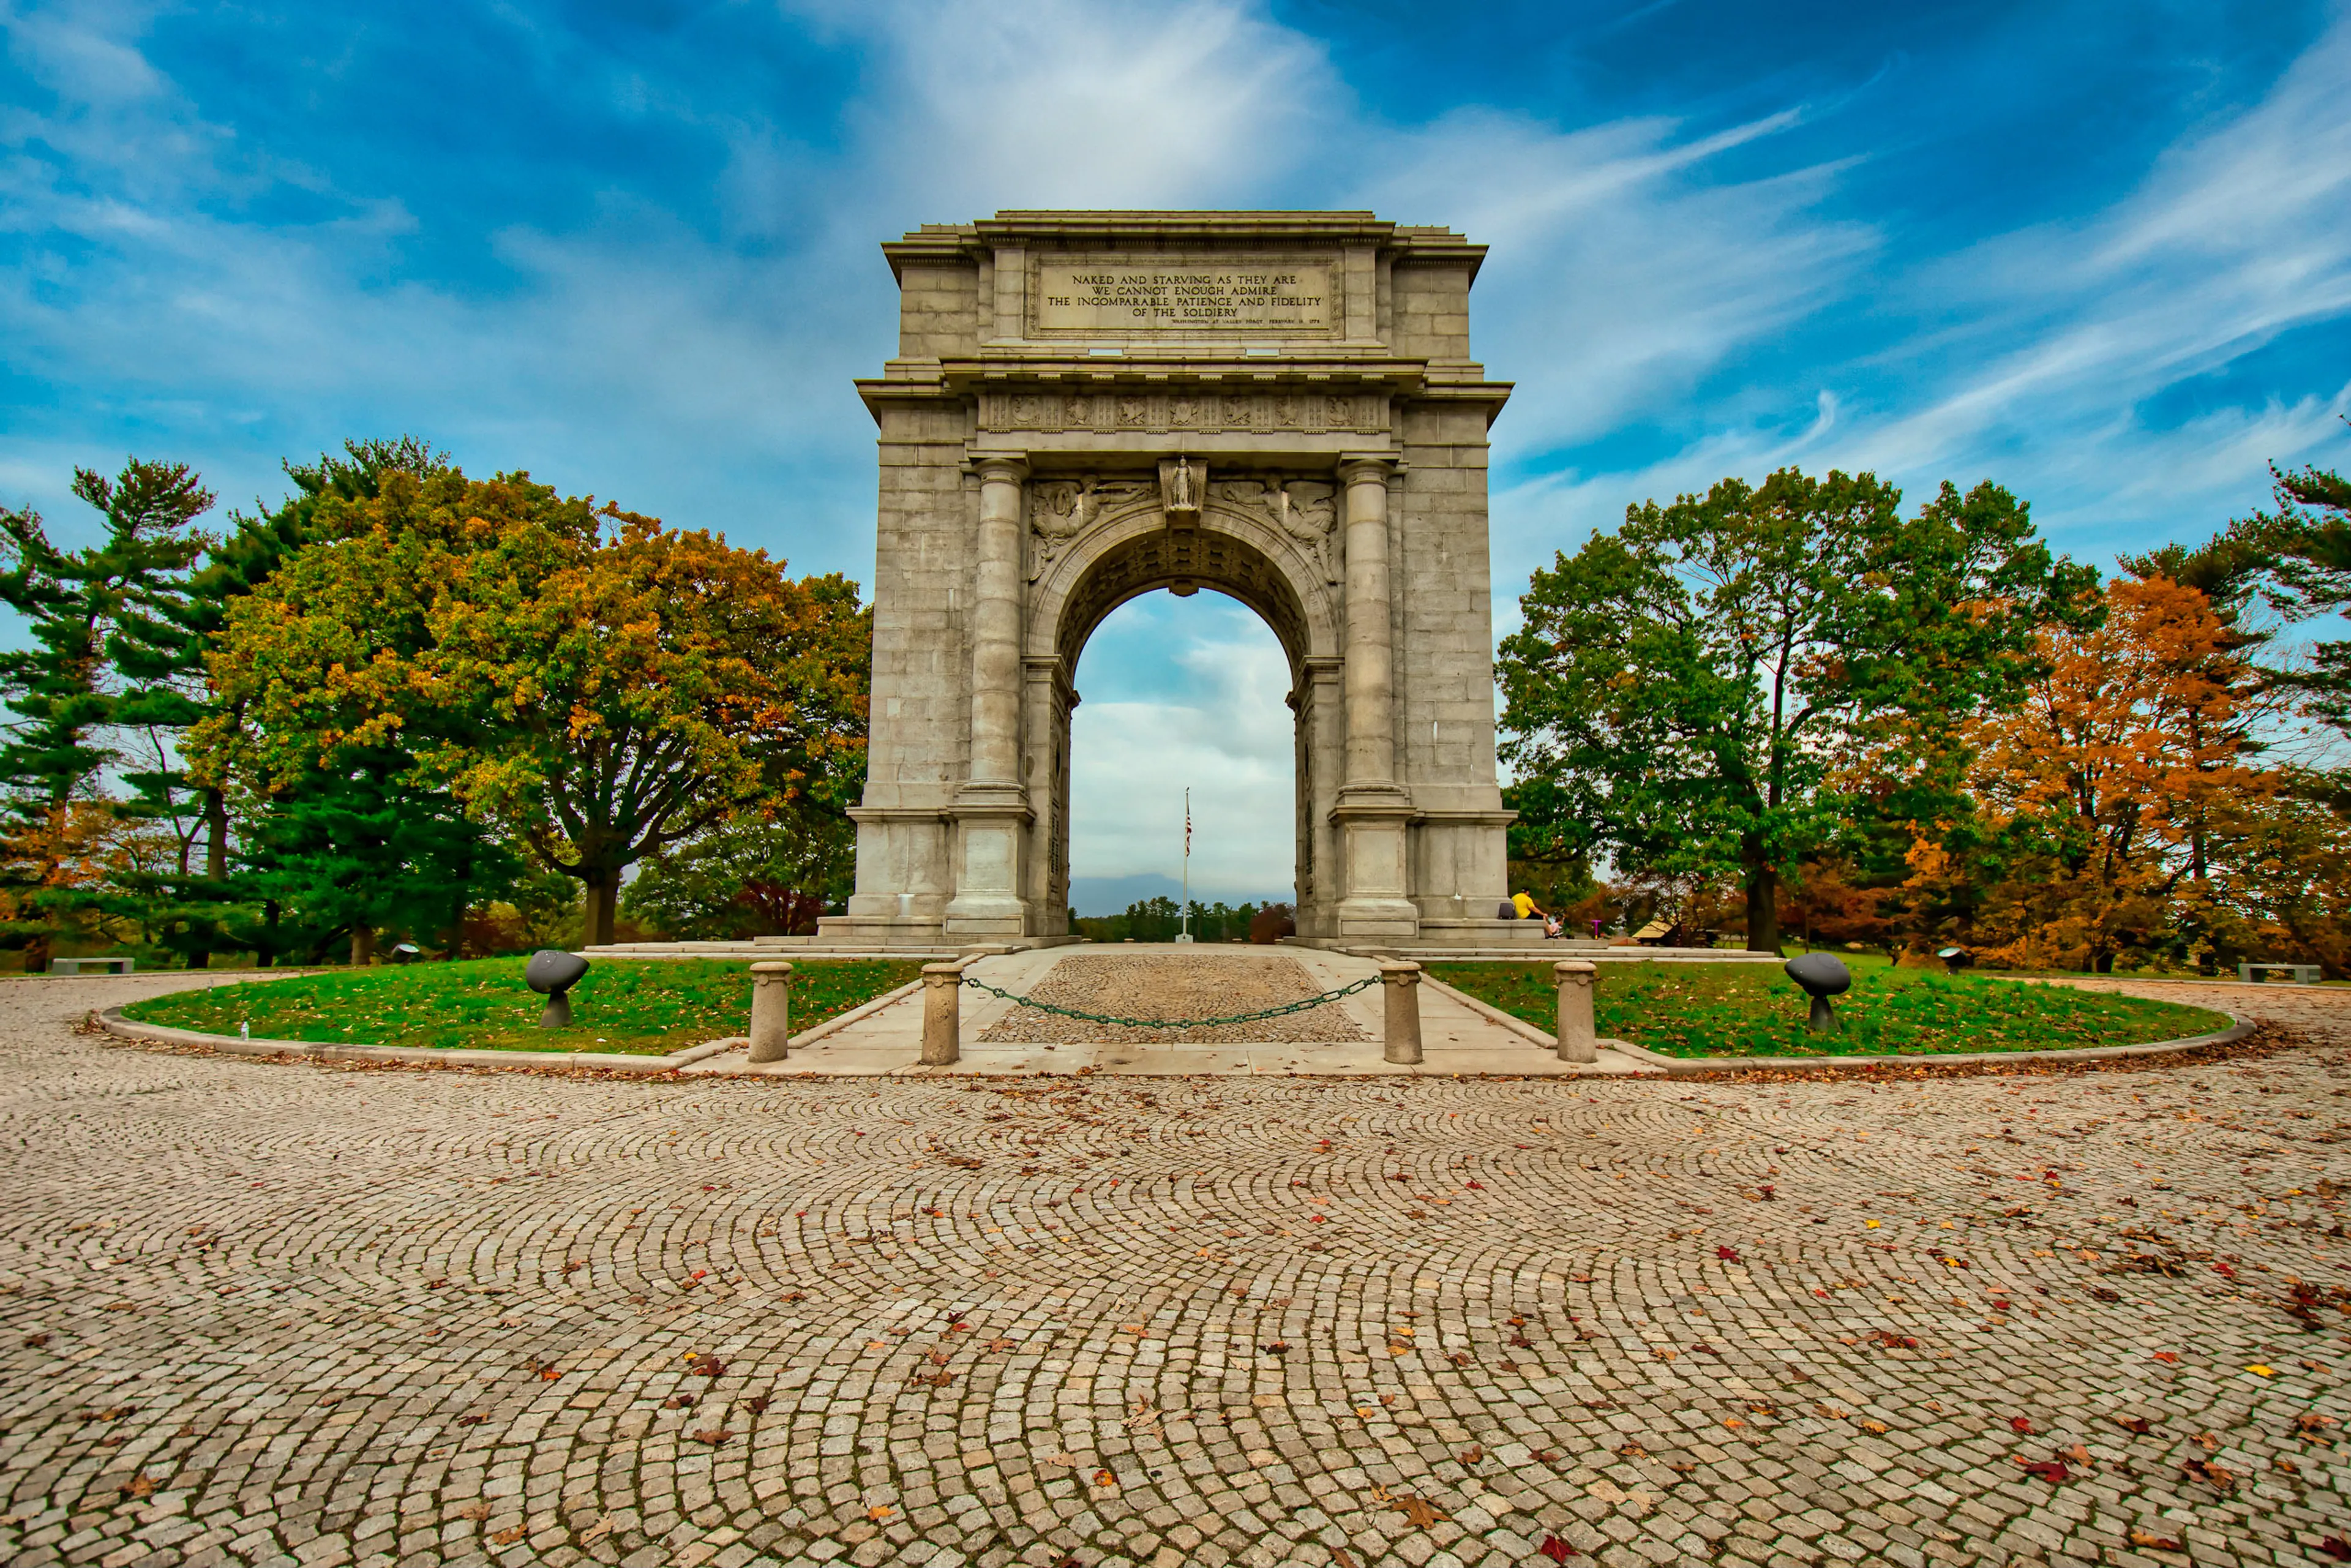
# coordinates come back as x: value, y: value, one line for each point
x: 1089, y: 406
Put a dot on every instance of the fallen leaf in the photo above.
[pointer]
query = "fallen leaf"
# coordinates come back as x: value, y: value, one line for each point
x: 2167, y: 1356
x: 2021, y: 1423
x: 2051, y: 1471
x: 477, y: 1511
x: 2335, y: 1546
x: 2258, y: 1370
x: 878, y: 1513
x: 2218, y: 1478
x: 598, y: 1531
x: 1472, y: 1454
x: 2136, y: 1424
x: 508, y: 1537
x: 1340, y: 1555
x: 1104, y: 1479
x: 1555, y: 1549
x: 713, y: 1437
x: 1877, y: 1427
x: 1728, y: 1254
x: 2157, y: 1542
x: 140, y: 1485
x: 1422, y: 1513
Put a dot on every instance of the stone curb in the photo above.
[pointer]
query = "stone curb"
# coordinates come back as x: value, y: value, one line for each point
x: 112, y: 1021
x: 1696, y: 1066
x: 1709, y: 1066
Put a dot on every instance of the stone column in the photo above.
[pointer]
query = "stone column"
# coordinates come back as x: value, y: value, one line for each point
x: 942, y: 1014
x: 771, y: 1011
x: 991, y: 808
x: 1401, y: 982
x: 996, y: 623
x: 1577, y: 1036
x: 1372, y: 809
x: 1370, y: 651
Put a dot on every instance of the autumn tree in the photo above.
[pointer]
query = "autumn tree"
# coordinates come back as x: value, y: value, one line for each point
x: 1685, y: 689
x: 2132, y: 741
x: 595, y: 686
x: 62, y: 690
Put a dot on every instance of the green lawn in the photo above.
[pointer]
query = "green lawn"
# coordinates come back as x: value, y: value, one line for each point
x: 646, y: 1006
x: 1753, y: 1010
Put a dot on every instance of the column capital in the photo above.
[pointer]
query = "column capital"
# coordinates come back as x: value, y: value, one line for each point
x: 1362, y: 467
x: 1007, y: 467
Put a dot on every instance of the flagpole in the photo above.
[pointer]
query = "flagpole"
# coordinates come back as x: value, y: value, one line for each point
x: 1185, y: 934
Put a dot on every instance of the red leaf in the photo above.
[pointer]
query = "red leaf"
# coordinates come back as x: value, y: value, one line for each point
x: 1728, y: 1254
x: 2050, y: 1470
x: 2019, y: 1423
x: 2335, y: 1546
x: 1559, y: 1551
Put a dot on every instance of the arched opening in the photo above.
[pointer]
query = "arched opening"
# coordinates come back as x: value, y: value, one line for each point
x: 1182, y: 691
x: 1263, y: 585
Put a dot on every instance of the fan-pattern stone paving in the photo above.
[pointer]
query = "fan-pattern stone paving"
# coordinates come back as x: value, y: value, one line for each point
x: 316, y: 1316
x: 1210, y: 984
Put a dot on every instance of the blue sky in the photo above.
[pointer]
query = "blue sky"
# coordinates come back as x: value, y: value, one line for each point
x: 2101, y: 253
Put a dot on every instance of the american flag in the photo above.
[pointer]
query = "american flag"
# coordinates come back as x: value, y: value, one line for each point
x: 1187, y: 823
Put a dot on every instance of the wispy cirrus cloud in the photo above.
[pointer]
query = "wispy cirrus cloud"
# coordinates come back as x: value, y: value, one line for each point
x: 634, y: 250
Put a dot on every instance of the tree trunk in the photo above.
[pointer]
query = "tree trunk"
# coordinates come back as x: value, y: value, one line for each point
x: 362, y: 946
x: 603, y: 903
x: 37, y: 956
x: 1762, y: 907
x: 268, y: 957
x: 215, y: 836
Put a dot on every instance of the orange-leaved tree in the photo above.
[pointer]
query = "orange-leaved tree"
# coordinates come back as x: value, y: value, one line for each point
x: 593, y: 684
x: 2131, y: 752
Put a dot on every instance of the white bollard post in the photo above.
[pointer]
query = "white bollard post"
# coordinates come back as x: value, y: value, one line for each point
x: 1578, y: 1038
x: 1401, y: 982
x: 942, y: 1014
x: 771, y: 1011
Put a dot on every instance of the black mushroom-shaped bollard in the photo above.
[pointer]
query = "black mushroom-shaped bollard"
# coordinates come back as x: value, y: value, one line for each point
x: 552, y: 975
x: 1822, y: 975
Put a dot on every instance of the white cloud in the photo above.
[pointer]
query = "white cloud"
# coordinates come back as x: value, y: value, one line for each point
x: 1183, y: 692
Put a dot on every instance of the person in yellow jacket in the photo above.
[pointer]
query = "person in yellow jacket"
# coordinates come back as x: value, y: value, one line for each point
x: 1526, y: 906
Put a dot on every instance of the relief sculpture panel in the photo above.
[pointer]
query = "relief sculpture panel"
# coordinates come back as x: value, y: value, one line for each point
x: 1304, y: 510
x: 1060, y: 511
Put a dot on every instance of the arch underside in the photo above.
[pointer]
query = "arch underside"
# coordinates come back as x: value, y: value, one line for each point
x: 1140, y: 554
x: 1166, y: 557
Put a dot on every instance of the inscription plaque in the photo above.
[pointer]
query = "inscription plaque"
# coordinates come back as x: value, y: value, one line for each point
x: 1117, y: 298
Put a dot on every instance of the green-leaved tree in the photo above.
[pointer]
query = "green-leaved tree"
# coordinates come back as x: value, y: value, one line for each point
x: 1713, y: 688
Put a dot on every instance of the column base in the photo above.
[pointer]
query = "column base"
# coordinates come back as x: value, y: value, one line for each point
x: 991, y: 823
x: 1372, y: 819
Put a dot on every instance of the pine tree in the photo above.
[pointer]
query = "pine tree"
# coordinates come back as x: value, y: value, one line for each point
x: 62, y: 690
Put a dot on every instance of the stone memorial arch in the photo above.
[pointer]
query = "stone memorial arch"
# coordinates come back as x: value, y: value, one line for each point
x: 1089, y: 406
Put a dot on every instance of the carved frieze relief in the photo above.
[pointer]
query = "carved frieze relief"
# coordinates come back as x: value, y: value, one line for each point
x: 1205, y: 412
x: 1305, y: 510
x: 1302, y: 508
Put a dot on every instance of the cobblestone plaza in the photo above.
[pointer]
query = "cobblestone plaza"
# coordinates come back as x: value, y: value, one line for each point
x: 293, y: 1313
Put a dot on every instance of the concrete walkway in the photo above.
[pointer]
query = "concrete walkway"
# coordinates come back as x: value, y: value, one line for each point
x: 1455, y: 1038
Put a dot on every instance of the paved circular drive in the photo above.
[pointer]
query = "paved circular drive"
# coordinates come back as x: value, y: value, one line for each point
x: 261, y: 1312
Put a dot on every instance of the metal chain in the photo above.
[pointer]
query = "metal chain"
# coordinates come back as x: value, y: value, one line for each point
x: 1282, y: 1011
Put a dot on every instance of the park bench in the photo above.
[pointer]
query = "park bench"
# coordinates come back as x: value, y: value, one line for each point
x: 104, y: 965
x: 2304, y: 974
